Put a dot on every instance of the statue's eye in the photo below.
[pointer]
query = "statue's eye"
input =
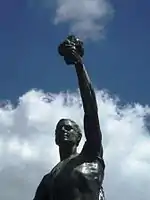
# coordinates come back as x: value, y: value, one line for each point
x: 68, y: 127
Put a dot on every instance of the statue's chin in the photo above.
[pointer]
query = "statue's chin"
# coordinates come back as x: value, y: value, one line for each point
x: 66, y: 142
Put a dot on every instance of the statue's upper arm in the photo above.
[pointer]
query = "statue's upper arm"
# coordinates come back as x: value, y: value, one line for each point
x: 93, y: 135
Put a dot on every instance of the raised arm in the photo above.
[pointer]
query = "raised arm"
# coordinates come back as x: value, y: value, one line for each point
x: 91, y: 121
x: 72, y: 50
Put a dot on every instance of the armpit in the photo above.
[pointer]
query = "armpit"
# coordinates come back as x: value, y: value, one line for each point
x: 92, y: 151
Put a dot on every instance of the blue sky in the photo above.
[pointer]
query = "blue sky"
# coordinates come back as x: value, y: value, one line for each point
x: 29, y: 59
x: 119, y: 63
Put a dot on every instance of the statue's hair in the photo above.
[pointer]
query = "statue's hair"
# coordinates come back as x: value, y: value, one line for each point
x: 75, y: 126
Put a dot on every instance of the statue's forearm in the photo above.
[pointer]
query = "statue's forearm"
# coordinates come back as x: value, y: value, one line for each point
x: 86, y: 90
x: 91, y: 122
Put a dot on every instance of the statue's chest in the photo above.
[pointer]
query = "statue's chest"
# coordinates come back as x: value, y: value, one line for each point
x: 75, y: 172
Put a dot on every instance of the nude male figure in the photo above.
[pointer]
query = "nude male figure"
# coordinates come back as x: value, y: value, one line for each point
x: 76, y: 176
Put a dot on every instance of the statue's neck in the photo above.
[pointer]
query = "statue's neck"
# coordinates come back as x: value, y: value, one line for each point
x: 67, y: 152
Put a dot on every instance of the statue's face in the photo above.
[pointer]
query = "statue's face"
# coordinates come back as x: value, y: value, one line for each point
x: 65, y: 133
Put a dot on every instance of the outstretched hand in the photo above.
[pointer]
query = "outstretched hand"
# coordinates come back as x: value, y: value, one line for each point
x: 72, y: 57
x: 72, y: 50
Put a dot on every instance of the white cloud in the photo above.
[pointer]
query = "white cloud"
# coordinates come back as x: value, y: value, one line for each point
x: 87, y: 18
x: 27, y: 149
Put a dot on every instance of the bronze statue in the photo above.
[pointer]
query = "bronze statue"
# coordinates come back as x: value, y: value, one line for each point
x: 76, y: 176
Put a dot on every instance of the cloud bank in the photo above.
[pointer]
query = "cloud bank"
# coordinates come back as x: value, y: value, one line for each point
x: 27, y: 149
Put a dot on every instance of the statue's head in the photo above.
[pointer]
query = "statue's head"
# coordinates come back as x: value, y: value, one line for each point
x: 67, y: 132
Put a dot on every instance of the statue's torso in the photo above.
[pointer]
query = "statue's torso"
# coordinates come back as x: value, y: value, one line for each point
x: 76, y: 178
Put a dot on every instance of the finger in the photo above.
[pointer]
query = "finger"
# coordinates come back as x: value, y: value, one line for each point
x: 77, y: 56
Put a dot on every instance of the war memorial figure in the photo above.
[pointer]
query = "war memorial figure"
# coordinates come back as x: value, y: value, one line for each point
x: 76, y: 176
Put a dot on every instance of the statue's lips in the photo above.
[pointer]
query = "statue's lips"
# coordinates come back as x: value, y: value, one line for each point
x: 66, y: 137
